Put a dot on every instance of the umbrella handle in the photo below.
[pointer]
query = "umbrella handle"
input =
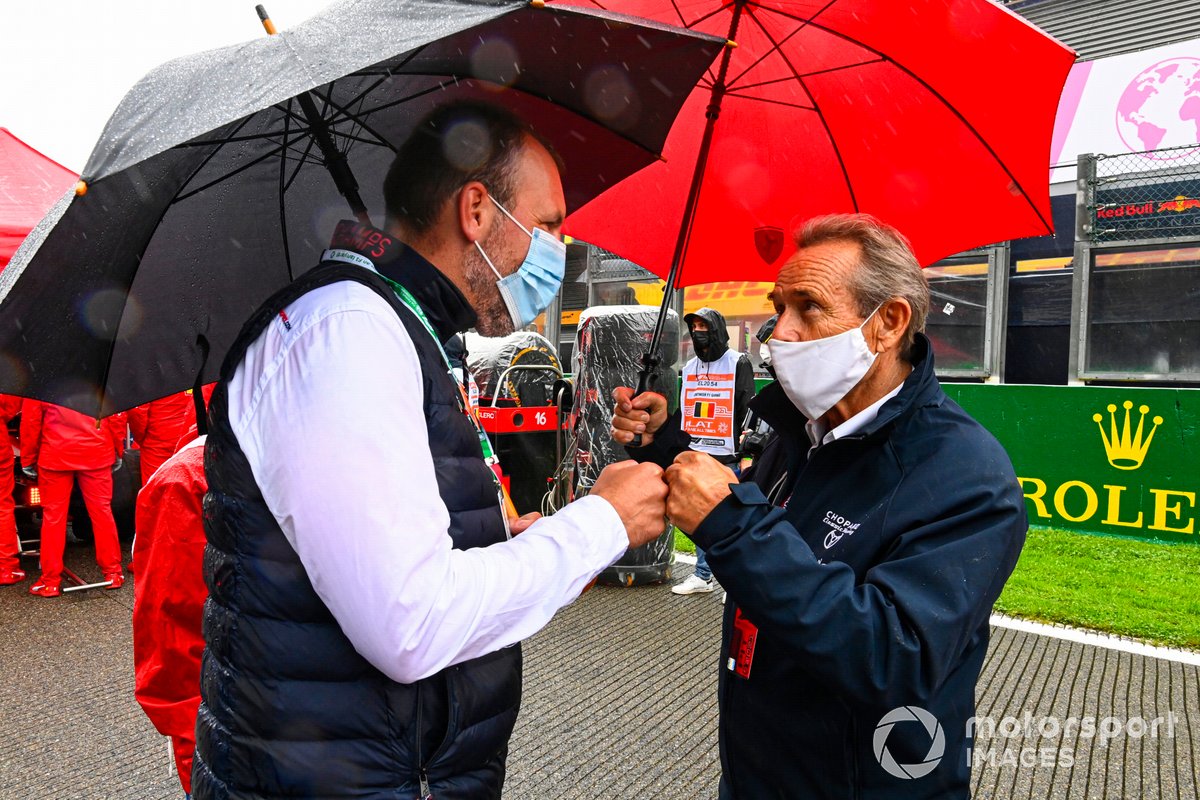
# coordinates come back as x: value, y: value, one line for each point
x: 646, y: 375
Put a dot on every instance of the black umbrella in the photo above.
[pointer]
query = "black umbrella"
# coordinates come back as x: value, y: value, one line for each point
x: 207, y: 190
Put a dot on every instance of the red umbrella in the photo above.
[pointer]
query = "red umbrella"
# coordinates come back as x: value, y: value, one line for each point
x: 933, y: 115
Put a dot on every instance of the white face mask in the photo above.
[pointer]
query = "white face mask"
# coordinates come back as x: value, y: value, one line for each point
x: 815, y: 375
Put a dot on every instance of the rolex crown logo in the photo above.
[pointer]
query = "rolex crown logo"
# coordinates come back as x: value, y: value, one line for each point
x: 1126, y: 450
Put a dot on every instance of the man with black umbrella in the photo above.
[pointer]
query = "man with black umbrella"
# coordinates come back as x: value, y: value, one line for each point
x: 365, y: 595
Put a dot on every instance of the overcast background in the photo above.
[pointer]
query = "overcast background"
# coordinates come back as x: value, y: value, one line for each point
x: 65, y: 64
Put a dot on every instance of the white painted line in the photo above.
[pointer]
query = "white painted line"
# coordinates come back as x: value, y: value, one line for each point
x: 1097, y: 639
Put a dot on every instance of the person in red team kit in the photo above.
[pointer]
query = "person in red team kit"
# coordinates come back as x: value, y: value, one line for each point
x: 58, y: 446
x: 157, y: 426
x: 10, y: 566
x: 168, y: 600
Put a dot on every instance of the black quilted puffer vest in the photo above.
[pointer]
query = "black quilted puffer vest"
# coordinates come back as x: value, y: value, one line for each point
x: 289, y: 708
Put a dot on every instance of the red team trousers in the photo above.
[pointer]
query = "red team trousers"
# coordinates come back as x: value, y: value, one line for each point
x: 96, y: 485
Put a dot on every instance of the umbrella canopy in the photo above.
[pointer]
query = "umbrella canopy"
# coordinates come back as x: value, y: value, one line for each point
x: 29, y: 185
x: 206, y: 192
x: 934, y: 115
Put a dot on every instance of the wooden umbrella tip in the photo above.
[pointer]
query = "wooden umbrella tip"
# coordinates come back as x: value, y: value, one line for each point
x: 538, y: 3
x: 81, y: 188
x: 730, y: 43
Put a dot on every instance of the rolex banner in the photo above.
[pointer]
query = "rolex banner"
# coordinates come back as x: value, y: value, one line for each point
x: 1116, y: 461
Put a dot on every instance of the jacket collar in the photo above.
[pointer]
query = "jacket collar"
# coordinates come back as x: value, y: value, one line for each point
x: 921, y: 388
x: 445, y: 306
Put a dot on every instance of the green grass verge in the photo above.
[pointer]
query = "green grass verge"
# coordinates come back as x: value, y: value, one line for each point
x: 1146, y: 590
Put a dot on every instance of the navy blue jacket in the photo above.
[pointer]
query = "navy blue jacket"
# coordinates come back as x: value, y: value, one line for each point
x: 871, y: 590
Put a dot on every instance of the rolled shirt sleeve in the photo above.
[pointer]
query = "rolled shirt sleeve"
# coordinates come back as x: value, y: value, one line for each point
x: 330, y: 416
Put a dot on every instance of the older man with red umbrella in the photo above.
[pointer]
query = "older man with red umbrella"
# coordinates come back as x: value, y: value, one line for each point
x: 862, y: 551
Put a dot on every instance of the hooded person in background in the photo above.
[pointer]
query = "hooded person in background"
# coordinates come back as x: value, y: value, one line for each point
x: 718, y: 384
x: 862, y: 552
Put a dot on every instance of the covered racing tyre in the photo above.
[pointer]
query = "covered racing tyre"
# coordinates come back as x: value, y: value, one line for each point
x: 517, y: 370
x: 609, y: 344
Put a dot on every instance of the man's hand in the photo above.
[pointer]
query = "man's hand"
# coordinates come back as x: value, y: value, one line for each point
x: 638, y: 494
x: 643, y: 414
x: 698, y: 482
x: 116, y: 467
x: 522, y: 523
x: 30, y: 472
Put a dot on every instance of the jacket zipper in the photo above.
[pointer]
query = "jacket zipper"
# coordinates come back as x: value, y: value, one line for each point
x: 422, y: 776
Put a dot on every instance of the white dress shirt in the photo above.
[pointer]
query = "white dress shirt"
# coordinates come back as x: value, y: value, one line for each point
x: 329, y: 415
x: 818, y: 436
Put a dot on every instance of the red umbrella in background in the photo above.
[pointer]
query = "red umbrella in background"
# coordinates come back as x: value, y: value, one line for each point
x: 933, y: 115
x: 29, y: 184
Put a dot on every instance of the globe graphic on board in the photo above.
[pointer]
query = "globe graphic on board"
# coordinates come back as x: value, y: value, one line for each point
x: 1161, y: 107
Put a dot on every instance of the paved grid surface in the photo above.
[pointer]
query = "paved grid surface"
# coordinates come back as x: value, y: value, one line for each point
x: 620, y: 702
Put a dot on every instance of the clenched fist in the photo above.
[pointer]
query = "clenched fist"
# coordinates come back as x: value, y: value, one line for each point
x: 698, y: 482
x: 643, y: 414
x: 522, y: 523
x: 638, y: 494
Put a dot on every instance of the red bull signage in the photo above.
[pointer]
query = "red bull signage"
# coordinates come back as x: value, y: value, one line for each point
x: 1177, y: 205
x: 1104, y: 460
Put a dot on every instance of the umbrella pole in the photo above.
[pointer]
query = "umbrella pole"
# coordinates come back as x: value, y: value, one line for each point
x: 335, y: 160
x: 198, y: 388
x: 651, y: 360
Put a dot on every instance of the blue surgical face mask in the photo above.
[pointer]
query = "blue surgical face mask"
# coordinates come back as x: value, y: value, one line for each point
x: 528, y: 291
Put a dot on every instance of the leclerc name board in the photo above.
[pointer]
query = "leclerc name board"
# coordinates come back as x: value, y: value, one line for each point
x: 1104, y: 460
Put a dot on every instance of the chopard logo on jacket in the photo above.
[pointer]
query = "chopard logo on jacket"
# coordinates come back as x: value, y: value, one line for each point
x: 839, y: 527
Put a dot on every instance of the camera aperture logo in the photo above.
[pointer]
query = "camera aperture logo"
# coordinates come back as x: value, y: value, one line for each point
x: 937, y: 744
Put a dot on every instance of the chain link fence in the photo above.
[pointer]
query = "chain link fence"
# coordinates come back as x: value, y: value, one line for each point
x: 1148, y: 195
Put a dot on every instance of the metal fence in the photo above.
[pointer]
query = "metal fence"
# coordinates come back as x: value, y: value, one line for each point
x: 1148, y: 195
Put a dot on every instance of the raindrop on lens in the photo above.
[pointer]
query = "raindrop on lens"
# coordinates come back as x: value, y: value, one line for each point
x: 14, y: 375
x: 76, y: 393
x: 609, y: 95
x: 495, y: 60
x: 103, y: 310
x: 466, y: 145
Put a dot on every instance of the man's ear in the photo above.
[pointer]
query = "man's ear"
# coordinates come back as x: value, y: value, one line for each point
x: 473, y: 210
x: 891, y: 321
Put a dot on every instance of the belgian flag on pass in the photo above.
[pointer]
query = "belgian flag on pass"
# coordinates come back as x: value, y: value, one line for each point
x: 705, y: 410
